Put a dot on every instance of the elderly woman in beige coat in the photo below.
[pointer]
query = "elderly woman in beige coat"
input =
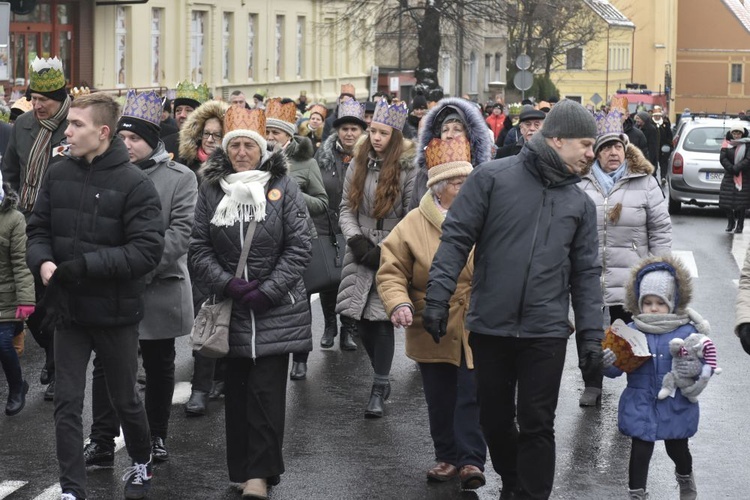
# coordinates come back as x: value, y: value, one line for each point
x: 446, y: 364
x: 632, y: 219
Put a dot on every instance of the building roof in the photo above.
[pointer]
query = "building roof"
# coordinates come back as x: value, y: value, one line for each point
x: 741, y: 10
x: 610, y: 14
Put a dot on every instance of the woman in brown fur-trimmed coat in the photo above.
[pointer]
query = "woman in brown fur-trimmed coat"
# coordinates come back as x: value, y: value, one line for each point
x: 633, y: 223
x: 202, y: 134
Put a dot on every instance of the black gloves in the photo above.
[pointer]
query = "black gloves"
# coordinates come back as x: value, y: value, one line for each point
x: 590, y: 357
x: 743, y: 332
x: 55, y: 306
x: 70, y: 271
x: 371, y: 259
x: 435, y: 319
x: 360, y: 246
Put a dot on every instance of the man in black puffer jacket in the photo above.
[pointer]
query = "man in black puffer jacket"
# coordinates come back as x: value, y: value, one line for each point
x: 95, y: 232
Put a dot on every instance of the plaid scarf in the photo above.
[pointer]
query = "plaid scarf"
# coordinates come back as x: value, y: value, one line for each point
x: 39, y: 156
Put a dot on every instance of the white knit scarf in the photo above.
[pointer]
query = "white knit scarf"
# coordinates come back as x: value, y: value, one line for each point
x: 244, y: 198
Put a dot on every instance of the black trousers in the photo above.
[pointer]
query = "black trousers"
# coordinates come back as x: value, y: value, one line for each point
x: 301, y: 357
x: 595, y: 379
x: 158, y: 361
x: 379, y: 342
x: 451, y: 395
x: 640, y: 457
x: 43, y: 337
x: 255, y: 409
x: 117, y: 350
x: 206, y: 371
x: 529, y: 371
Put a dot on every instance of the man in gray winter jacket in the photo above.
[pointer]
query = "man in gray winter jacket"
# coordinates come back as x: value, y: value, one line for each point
x: 536, y: 245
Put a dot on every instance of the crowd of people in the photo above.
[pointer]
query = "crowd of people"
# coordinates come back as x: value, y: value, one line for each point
x: 126, y: 221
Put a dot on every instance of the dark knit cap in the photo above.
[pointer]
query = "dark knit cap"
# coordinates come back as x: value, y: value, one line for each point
x: 419, y: 102
x: 184, y: 101
x: 58, y: 95
x: 569, y: 120
x: 146, y: 130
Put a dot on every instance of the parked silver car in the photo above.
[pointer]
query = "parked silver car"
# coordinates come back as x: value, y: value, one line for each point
x: 695, y: 174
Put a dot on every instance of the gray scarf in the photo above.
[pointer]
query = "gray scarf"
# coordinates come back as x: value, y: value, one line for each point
x: 665, y: 323
x: 552, y: 167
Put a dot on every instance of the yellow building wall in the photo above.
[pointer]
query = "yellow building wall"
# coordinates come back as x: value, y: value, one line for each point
x: 595, y: 77
x: 330, y: 57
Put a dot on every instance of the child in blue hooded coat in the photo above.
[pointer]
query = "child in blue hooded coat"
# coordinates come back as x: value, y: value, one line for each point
x: 658, y: 292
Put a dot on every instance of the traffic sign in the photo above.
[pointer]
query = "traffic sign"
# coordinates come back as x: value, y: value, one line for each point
x: 523, y: 80
x: 523, y: 62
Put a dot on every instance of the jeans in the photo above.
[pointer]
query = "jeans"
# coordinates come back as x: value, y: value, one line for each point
x: 117, y: 349
x: 379, y: 342
x: 8, y: 356
x: 255, y: 412
x: 640, y: 457
x: 529, y: 371
x: 158, y: 361
x: 451, y: 395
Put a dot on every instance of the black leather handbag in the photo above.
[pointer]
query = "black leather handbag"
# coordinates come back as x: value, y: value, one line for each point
x: 323, y: 273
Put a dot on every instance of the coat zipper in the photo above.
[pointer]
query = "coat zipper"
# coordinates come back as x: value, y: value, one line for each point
x: 96, y: 212
x: 528, y: 263
x: 80, y: 208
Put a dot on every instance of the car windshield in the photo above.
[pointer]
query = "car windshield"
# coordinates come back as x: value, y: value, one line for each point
x: 705, y: 139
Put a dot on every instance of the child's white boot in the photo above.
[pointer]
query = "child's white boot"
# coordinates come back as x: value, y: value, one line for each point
x: 688, y: 491
x: 639, y: 494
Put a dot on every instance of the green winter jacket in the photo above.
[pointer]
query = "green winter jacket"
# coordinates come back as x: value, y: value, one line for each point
x: 16, y: 281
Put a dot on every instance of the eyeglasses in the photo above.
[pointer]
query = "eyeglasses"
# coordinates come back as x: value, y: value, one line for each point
x: 216, y: 136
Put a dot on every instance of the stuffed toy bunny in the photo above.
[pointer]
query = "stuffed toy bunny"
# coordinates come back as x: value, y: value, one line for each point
x: 693, y: 363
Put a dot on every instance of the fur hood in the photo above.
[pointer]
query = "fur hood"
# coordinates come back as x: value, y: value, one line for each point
x: 481, y: 142
x: 305, y: 131
x: 192, y: 130
x: 637, y: 163
x: 300, y: 149
x: 10, y: 198
x: 668, y: 262
x: 218, y: 166
x: 326, y: 154
x: 407, y: 157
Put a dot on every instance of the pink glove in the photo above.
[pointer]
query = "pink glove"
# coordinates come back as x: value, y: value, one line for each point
x: 23, y: 312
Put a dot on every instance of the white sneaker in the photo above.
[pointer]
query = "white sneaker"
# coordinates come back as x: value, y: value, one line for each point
x: 68, y: 496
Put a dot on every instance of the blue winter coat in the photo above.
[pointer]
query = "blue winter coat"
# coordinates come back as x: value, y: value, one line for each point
x: 641, y: 415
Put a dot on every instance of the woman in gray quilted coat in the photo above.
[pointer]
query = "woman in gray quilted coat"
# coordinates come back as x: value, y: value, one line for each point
x: 377, y: 190
x: 243, y: 182
x: 632, y: 219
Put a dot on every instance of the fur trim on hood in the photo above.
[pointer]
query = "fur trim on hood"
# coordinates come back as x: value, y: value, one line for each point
x: 10, y: 200
x: 668, y: 262
x: 218, y: 166
x: 326, y: 154
x: 192, y: 130
x: 407, y: 156
x: 637, y: 163
x: 305, y: 131
x: 481, y: 141
x: 300, y: 148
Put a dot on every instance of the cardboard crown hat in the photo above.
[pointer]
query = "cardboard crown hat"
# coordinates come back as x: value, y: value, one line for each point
x: 619, y: 102
x: 447, y: 159
x: 281, y: 116
x: 393, y: 115
x: 191, y: 94
x: 145, y: 106
x: 609, y: 128
x: 46, y: 75
x: 320, y: 109
x: 347, y: 88
x: 351, y: 111
x: 243, y: 122
x: 79, y: 91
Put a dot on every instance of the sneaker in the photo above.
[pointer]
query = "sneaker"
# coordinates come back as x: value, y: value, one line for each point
x: 68, y: 496
x: 158, y: 450
x: 137, y: 480
x: 49, y: 393
x: 98, y: 455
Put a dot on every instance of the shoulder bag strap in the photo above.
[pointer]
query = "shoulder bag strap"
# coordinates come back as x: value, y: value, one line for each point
x: 245, y: 248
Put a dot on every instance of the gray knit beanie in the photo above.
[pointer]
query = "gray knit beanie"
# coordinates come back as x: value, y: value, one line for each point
x: 569, y: 120
x: 659, y: 283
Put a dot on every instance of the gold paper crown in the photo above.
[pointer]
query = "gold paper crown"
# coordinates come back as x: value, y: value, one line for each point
x: 320, y: 109
x: 347, y: 88
x: 46, y: 75
x: 440, y: 152
x: 80, y: 91
x: 22, y: 104
x: 284, y: 112
x: 186, y: 90
x: 619, y: 102
x: 237, y: 118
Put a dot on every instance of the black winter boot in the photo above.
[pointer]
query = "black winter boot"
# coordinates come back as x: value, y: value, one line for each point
x: 348, y: 326
x: 730, y: 221
x: 740, y: 222
x: 16, y: 399
x: 331, y: 327
x: 375, y: 405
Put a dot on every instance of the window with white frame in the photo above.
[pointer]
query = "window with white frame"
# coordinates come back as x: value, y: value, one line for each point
x: 157, y: 15
x: 197, y: 49
x: 736, y: 76
x: 279, y: 47
x: 226, y: 41
x: 121, y: 36
x: 252, y: 22
x: 498, y: 68
x: 300, y: 46
x: 445, y: 82
x: 473, y: 70
x: 487, y: 70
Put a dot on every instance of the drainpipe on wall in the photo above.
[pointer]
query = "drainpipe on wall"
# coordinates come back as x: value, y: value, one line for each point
x: 606, y: 83
x: 632, y: 55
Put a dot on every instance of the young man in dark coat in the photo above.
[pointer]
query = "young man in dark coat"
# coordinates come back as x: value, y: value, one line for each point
x: 534, y: 234
x: 94, y: 234
x: 644, y: 122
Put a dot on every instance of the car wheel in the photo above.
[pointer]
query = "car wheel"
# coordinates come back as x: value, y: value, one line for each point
x: 674, y: 206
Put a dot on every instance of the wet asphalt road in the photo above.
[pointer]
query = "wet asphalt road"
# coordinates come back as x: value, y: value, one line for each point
x: 332, y: 452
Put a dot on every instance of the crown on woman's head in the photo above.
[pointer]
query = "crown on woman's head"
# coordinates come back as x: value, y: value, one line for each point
x: 393, y: 115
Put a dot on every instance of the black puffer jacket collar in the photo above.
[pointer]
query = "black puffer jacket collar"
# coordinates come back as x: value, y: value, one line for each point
x: 218, y: 166
x: 114, y: 156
